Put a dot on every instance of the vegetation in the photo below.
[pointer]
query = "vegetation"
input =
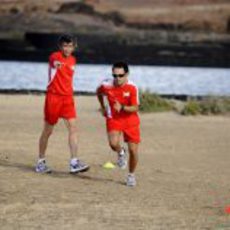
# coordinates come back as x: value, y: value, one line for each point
x: 210, y: 105
x: 207, y: 105
x: 150, y: 102
x: 192, y: 107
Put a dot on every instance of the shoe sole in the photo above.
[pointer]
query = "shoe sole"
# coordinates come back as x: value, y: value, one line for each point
x: 129, y: 185
x: 123, y: 166
x: 79, y: 170
x: 44, y: 172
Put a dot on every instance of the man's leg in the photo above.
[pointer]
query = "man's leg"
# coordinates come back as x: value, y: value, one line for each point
x: 43, y: 141
x: 71, y: 125
x: 115, y: 144
x: 75, y: 164
x: 114, y: 138
x: 132, y: 137
x: 133, y: 159
x: 41, y: 166
x: 133, y: 156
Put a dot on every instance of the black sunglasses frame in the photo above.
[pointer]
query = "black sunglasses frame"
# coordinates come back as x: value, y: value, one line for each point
x: 119, y: 75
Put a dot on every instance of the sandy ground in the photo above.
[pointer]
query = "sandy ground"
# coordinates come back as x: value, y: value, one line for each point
x: 183, y: 175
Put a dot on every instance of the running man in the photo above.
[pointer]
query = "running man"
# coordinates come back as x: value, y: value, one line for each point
x: 59, y: 103
x: 121, y: 114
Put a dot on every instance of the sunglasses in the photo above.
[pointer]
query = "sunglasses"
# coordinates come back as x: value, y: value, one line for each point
x: 118, y: 75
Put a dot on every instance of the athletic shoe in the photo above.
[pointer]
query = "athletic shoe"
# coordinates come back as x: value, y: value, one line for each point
x: 122, y: 159
x: 131, y: 180
x: 41, y: 167
x: 78, y: 166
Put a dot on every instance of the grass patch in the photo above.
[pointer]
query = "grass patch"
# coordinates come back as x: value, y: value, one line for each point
x: 207, y: 106
x: 192, y: 107
x: 150, y: 102
x: 210, y: 105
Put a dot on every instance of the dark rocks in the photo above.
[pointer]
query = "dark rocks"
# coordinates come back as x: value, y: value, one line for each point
x: 98, y: 49
x: 82, y: 8
x: 76, y: 7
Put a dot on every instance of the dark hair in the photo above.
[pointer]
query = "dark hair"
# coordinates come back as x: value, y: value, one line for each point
x: 121, y: 64
x: 67, y: 38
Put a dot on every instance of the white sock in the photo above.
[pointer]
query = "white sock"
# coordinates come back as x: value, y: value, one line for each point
x: 131, y: 174
x: 122, y: 152
x: 73, y: 161
x: 41, y: 160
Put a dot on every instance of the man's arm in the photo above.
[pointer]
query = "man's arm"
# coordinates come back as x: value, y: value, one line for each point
x: 101, y: 101
x: 127, y: 108
x: 130, y: 109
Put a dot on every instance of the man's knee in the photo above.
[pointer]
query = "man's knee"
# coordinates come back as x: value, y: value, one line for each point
x: 73, y: 129
x: 48, y: 133
x: 133, y: 150
x: 114, y: 145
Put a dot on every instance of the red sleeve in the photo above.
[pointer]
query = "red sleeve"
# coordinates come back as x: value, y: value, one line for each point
x: 134, y: 96
x: 101, y: 89
x: 52, y: 58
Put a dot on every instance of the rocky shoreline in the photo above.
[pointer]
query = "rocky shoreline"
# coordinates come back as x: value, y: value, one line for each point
x: 29, y: 31
x: 105, y: 49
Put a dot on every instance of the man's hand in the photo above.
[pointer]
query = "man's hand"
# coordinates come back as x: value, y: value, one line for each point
x: 117, y: 106
x: 57, y: 64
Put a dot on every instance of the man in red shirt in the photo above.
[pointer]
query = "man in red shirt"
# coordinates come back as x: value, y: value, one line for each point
x: 119, y: 103
x: 59, y: 103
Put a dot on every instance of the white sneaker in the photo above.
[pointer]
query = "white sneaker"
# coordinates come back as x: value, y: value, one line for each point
x: 78, y: 166
x: 122, y: 159
x: 131, y: 180
x: 41, y: 167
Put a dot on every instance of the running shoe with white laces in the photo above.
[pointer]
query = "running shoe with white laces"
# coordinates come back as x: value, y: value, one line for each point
x: 77, y: 166
x: 122, y: 159
x: 41, y: 167
x: 131, y: 180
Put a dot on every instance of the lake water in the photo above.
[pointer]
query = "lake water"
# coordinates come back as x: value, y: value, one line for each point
x: 161, y: 80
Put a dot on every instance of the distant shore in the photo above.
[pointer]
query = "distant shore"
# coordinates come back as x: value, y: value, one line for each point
x: 106, y: 49
x: 181, y: 97
x: 168, y: 33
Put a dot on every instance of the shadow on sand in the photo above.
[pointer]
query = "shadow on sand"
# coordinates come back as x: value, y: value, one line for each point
x: 56, y: 173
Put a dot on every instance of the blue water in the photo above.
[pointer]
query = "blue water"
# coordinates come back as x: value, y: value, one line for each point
x: 162, y: 80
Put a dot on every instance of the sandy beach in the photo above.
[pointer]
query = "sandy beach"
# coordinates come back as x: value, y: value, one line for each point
x: 183, y: 174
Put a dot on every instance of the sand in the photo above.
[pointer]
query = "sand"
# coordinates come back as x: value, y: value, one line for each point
x: 183, y: 174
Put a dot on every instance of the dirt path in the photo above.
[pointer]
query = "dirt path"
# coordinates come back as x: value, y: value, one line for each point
x: 183, y: 175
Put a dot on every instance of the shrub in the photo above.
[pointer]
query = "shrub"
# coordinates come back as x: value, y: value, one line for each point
x: 150, y: 102
x: 192, y: 107
x: 211, y: 106
x: 207, y: 105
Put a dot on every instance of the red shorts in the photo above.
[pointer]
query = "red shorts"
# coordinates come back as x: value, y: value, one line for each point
x: 57, y: 106
x: 131, y: 133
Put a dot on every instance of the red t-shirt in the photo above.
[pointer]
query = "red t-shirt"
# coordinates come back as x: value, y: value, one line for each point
x: 61, y: 78
x: 126, y: 94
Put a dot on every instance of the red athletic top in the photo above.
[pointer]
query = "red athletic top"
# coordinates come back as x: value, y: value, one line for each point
x: 126, y: 95
x: 61, y: 78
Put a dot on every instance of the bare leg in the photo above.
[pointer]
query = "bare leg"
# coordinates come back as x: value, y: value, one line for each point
x: 72, y: 136
x: 133, y: 156
x: 114, y: 141
x: 43, y: 141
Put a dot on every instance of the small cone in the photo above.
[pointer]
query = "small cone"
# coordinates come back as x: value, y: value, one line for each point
x: 108, y: 165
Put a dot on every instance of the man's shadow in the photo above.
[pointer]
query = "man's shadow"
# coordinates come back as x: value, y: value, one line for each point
x: 56, y: 173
